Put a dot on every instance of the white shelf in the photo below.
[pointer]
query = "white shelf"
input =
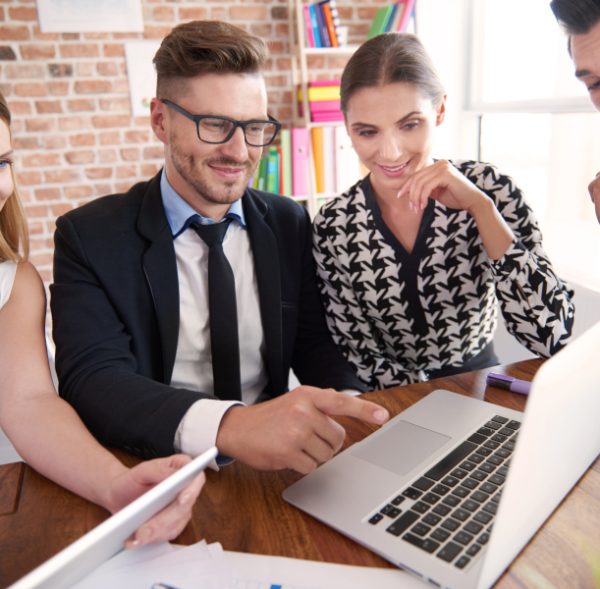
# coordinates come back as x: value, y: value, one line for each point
x: 345, y: 50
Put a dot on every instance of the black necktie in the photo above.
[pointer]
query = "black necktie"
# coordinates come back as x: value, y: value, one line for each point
x: 223, y: 313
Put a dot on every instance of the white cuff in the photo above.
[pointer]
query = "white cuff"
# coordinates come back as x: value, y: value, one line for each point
x: 197, y: 431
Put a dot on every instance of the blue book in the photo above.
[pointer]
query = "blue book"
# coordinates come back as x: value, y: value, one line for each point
x: 315, y: 25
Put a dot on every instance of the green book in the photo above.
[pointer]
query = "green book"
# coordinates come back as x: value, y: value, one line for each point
x: 379, y: 21
x: 273, y: 171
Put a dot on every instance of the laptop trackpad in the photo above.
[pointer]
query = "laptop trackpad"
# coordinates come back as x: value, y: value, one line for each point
x: 402, y: 447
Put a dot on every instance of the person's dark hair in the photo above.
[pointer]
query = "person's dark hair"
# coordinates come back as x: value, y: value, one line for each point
x: 206, y: 46
x: 389, y: 58
x: 576, y: 16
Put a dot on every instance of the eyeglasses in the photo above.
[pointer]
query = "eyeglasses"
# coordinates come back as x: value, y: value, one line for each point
x: 214, y: 129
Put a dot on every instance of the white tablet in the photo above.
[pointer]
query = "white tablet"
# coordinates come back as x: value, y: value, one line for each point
x: 78, y: 559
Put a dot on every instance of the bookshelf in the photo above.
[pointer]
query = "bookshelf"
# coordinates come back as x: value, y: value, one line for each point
x: 341, y: 162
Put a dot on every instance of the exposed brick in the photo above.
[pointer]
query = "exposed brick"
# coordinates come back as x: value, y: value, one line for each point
x: 99, y: 173
x: 7, y: 53
x: 22, y: 13
x: 82, y: 140
x: 156, y: 32
x: 61, y: 176
x: 40, y: 125
x: 137, y: 136
x: 29, y: 178
x: 81, y: 104
x: 279, y: 12
x: 37, y: 227
x: 48, y: 106
x: 85, y: 69
x: 92, y: 86
x: 103, y: 122
x: 47, y: 193
x: 107, y: 68
x: 109, y: 138
x: 45, y: 51
x: 195, y: 13
x: 248, y: 13
x: 22, y: 143
x: 71, y: 192
x: 58, y: 88
x: 163, y: 13
x: 107, y: 156
x: 80, y: 156
x: 156, y: 152
x: 129, y: 171
x: 74, y: 123
x: 148, y: 170
x: 37, y: 211
x: 60, y: 70
x: 114, y: 104
x: 20, y: 107
x: 30, y: 89
x: 41, y: 160
x: 130, y: 154
x: 22, y: 71
x: 54, y: 141
x: 113, y: 50
x: 14, y: 33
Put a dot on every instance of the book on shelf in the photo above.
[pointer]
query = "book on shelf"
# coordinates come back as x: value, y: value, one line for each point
x: 310, y: 38
x: 391, y: 18
x: 286, y: 162
x: 347, y: 164
x: 272, y: 181
x: 323, y: 105
x: 300, y: 161
x: 316, y: 137
x: 328, y: 160
x: 314, y: 24
x: 321, y: 21
x: 327, y: 117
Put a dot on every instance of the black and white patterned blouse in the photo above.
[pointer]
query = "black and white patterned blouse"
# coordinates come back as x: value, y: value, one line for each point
x: 399, y: 317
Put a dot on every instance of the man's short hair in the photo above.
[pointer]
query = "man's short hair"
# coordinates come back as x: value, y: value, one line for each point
x: 203, y: 47
x: 577, y: 16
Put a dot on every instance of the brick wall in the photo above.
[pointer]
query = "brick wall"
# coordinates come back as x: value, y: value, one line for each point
x: 74, y: 136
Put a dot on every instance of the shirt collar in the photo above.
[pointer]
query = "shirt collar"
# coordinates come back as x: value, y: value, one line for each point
x: 180, y: 213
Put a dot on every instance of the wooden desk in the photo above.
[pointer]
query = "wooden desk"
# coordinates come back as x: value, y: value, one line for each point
x: 243, y: 510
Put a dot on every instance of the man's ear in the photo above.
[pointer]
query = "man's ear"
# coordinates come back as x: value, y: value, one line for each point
x: 158, y: 119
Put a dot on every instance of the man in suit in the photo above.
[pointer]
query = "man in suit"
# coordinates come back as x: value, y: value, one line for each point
x: 130, y: 301
x: 581, y: 19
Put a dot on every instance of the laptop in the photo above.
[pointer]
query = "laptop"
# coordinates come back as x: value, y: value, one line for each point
x: 452, y: 488
x: 104, y: 541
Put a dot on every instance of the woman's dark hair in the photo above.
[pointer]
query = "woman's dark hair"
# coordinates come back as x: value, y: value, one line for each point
x: 389, y: 58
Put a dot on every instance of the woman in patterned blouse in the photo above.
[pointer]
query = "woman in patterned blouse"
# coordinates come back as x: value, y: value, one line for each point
x: 414, y: 257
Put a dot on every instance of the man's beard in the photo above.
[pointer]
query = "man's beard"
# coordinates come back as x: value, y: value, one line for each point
x: 213, y: 192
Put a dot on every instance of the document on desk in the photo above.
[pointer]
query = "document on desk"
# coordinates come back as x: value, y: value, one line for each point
x: 208, y: 566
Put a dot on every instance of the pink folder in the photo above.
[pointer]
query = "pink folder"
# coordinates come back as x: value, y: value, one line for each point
x: 300, y: 162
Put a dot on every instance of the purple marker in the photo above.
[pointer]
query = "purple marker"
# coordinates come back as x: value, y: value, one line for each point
x: 509, y: 383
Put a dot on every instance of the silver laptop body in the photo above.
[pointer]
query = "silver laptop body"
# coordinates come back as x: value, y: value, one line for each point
x: 558, y: 439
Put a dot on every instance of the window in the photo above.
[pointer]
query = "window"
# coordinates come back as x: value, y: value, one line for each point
x: 537, y: 125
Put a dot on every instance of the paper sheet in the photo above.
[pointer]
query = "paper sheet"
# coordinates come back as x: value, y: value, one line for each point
x: 204, y: 566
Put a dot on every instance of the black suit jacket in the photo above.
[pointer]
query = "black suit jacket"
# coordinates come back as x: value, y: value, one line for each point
x: 115, y: 309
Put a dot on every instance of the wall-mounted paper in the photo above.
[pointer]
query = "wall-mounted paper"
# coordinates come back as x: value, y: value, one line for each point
x: 85, y: 16
x: 141, y: 75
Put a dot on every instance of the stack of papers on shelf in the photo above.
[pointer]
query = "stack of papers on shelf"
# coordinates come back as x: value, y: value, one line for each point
x: 208, y: 566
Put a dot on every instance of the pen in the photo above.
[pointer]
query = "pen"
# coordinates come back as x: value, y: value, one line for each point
x: 162, y: 586
x: 509, y: 383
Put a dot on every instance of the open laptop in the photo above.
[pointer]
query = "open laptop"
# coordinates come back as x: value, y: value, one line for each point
x: 104, y: 541
x: 425, y: 489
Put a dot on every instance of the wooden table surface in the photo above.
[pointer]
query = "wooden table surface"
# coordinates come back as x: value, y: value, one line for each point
x: 243, y: 510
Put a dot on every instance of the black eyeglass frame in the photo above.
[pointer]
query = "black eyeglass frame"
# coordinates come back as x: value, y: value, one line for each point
x: 242, y: 124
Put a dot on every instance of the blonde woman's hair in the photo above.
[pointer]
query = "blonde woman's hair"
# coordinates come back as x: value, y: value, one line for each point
x: 14, y: 236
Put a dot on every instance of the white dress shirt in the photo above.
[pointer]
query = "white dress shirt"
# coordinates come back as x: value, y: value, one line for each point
x: 198, y: 429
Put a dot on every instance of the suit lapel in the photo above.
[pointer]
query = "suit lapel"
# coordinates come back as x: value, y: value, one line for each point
x: 266, y: 263
x: 160, y: 269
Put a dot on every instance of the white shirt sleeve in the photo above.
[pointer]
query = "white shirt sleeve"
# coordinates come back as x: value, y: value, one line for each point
x: 197, y: 431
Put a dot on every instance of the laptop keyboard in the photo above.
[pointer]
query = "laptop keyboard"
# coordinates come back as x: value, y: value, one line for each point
x: 449, y: 511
